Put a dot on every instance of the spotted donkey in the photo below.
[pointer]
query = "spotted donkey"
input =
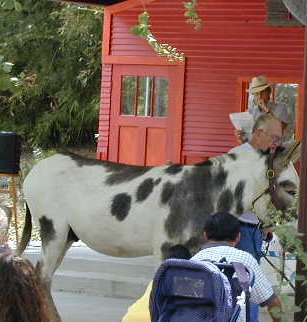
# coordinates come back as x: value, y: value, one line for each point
x: 125, y: 210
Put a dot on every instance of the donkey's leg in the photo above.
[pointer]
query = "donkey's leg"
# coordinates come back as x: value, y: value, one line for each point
x: 55, y: 243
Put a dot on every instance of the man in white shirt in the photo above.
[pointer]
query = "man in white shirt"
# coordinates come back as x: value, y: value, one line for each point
x: 266, y: 135
x: 222, y: 232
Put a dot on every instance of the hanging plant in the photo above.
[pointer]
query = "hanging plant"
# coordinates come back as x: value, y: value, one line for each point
x: 191, y: 14
x: 143, y: 30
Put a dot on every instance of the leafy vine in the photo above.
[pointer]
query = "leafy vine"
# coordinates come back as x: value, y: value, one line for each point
x: 284, y: 227
x: 143, y: 30
x: 191, y: 14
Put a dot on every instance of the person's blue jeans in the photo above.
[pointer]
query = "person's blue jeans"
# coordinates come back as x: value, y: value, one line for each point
x: 251, y: 242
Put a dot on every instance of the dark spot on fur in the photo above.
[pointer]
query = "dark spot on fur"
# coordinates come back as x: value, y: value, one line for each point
x: 72, y: 236
x: 220, y: 179
x: 173, y: 169
x: 191, y: 202
x: 121, y: 205
x: 207, y: 163
x: 144, y: 189
x: 79, y: 159
x: 232, y: 156
x: 238, y: 195
x: 119, y: 172
x: 47, y: 231
x: 157, y: 181
x: 167, y: 192
x: 122, y: 173
x: 225, y: 201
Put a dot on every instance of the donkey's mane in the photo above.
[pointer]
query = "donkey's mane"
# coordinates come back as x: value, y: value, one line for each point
x: 220, y: 160
x: 114, y: 167
x: 88, y: 161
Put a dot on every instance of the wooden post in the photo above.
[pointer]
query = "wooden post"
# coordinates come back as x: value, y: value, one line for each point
x: 12, y: 190
x: 300, y: 289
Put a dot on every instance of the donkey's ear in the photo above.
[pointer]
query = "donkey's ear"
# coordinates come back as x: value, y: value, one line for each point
x: 291, y: 152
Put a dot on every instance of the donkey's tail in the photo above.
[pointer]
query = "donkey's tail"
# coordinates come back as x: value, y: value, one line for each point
x: 26, y: 233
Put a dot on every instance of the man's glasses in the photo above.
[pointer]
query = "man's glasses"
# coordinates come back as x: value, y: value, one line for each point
x: 276, y: 139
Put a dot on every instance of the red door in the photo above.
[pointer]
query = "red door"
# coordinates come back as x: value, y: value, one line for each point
x: 146, y: 114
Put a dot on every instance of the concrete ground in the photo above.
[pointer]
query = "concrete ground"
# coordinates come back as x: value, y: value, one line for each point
x: 79, y: 307
x: 79, y: 294
x: 74, y: 307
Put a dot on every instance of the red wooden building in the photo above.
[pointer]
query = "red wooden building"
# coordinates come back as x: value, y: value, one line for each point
x: 153, y: 111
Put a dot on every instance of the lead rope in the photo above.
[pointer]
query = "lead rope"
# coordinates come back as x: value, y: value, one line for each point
x: 270, y: 174
x: 272, y: 186
x: 280, y: 271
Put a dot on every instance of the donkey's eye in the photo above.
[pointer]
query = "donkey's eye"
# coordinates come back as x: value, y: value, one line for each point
x: 292, y: 192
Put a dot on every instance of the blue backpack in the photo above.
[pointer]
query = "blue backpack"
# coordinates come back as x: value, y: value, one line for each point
x: 190, y: 291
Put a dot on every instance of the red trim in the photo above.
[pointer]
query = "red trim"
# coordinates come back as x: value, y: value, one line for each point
x: 107, y: 21
x: 127, y: 5
x: 132, y: 60
x: 89, y: 2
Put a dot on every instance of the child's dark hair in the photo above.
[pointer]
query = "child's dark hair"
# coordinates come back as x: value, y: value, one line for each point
x: 178, y: 251
x: 222, y: 226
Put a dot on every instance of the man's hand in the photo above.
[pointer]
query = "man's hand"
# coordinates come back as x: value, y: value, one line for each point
x: 274, y: 303
x: 267, y: 234
x: 240, y: 136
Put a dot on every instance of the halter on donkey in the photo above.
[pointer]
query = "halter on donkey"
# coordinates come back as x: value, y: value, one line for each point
x: 124, y: 210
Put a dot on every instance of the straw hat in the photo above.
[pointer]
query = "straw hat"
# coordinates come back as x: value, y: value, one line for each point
x: 258, y: 84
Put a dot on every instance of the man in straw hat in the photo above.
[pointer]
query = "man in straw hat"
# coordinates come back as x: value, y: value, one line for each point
x: 261, y: 89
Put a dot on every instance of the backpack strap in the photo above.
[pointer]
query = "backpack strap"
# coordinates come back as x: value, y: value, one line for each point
x: 243, y: 275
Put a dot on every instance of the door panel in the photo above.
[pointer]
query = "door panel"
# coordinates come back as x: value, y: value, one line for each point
x: 128, y: 147
x: 155, y: 146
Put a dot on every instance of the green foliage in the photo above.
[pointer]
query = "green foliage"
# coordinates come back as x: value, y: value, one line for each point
x: 191, y: 14
x: 284, y: 227
x: 142, y: 29
x: 10, y: 5
x: 55, y: 50
x: 7, y: 81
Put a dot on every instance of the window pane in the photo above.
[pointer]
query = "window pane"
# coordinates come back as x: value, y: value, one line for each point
x: 128, y: 95
x: 161, y: 97
x: 144, y: 95
x: 287, y: 94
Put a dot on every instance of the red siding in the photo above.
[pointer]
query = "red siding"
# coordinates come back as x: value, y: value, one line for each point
x: 234, y: 42
x: 104, y: 114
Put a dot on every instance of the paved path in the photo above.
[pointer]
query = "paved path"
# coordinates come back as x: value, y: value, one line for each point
x: 91, y: 307
x: 74, y: 307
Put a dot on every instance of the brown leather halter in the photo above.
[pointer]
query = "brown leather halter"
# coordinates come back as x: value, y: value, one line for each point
x: 271, y: 176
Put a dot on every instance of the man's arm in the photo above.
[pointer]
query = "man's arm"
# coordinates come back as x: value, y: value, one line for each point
x: 262, y: 292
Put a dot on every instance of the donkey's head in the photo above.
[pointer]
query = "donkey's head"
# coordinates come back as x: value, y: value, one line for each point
x: 283, y: 180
